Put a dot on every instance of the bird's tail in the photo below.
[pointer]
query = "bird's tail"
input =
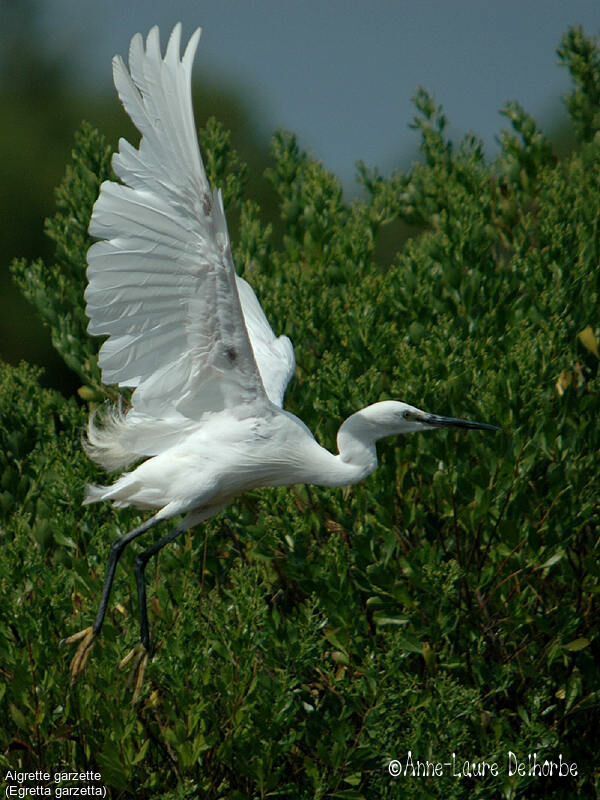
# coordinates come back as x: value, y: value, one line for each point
x: 103, y: 441
x: 94, y: 493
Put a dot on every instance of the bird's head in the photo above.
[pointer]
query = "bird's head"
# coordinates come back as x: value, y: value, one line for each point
x: 389, y: 418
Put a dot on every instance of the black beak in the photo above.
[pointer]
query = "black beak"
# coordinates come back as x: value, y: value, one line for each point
x: 452, y: 422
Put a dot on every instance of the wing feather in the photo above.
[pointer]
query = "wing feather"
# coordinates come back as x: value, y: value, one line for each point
x: 274, y: 355
x: 183, y: 329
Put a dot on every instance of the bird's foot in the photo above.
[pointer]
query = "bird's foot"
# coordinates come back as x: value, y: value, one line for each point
x: 138, y: 658
x: 86, y: 637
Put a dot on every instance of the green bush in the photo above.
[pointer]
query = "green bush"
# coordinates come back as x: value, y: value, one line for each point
x: 308, y: 636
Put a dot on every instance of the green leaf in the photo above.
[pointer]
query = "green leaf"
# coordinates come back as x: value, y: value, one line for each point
x: 577, y: 644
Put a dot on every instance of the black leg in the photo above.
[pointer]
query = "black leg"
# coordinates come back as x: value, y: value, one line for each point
x: 116, y: 551
x: 140, y: 566
x: 139, y: 654
x: 88, y: 636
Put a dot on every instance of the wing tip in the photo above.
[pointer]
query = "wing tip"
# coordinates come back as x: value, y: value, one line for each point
x: 153, y: 39
x: 173, y: 50
x: 191, y: 47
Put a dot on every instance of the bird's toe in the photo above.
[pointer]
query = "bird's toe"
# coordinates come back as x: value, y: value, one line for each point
x: 138, y: 659
x: 86, y: 639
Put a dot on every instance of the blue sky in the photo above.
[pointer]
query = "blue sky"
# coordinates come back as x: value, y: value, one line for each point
x: 340, y: 73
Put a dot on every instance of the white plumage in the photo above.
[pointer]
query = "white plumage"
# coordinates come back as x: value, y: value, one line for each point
x: 190, y: 337
x: 184, y: 329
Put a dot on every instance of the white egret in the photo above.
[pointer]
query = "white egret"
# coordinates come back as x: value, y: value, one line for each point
x: 190, y: 337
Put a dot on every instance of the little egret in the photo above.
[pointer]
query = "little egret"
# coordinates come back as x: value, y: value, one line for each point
x: 190, y: 337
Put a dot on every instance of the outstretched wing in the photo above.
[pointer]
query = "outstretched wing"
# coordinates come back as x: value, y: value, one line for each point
x: 274, y: 355
x: 162, y: 285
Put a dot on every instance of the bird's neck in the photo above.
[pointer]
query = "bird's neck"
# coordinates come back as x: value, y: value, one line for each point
x: 308, y: 462
x: 356, y: 445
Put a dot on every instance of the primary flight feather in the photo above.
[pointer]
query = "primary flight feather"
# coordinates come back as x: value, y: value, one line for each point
x: 190, y: 337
